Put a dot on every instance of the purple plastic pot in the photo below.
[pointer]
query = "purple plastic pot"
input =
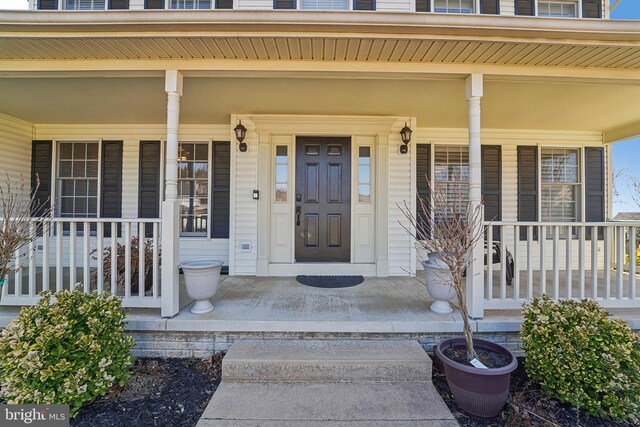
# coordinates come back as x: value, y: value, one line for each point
x: 480, y: 392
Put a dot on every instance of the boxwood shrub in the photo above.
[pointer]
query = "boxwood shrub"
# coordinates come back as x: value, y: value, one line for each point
x: 583, y: 357
x: 67, y: 349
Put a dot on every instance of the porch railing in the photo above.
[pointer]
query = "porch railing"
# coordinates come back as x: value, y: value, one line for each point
x: 561, y: 260
x: 86, y: 251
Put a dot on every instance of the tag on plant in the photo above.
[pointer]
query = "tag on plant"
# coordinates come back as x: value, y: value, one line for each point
x: 478, y: 364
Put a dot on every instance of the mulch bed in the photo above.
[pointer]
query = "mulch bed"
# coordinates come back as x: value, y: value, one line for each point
x: 528, y: 405
x: 161, y: 392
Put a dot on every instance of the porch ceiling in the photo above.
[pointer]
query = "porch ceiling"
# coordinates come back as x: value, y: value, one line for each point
x: 507, y: 103
x: 393, y: 38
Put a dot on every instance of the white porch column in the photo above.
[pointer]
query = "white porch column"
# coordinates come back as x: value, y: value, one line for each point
x: 170, y: 215
x: 475, y: 274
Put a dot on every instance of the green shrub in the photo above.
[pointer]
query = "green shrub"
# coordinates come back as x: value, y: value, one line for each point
x: 67, y: 349
x: 582, y: 357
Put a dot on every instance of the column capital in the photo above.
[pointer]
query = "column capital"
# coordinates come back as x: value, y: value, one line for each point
x: 173, y: 82
x: 474, y: 84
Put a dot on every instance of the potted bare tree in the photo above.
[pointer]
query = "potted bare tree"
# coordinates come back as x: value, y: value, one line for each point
x: 20, y: 205
x: 478, y: 371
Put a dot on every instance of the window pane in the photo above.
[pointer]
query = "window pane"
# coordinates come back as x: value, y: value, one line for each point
x: 364, y: 174
x: 66, y: 151
x: 92, y: 169
x: 281, y: 154
x: 451, y: 180
x: 281, y: 192
x: 64, y: 168
x: 364, y: 193
x: 281, y: 173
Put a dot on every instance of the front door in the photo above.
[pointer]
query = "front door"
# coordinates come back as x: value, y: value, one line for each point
x: 323, y: 199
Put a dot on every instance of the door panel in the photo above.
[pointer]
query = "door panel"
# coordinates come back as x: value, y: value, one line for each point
x: 323, y: 199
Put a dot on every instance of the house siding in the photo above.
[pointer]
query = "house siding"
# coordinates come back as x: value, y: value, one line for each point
x: 15, y: 140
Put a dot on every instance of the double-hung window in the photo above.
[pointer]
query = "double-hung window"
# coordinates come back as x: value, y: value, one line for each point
x: 451, y: 180
x: 560, y: 185
x: 193, y: 188
x: 85, y: 4
x: 558, y: 9
x: 453, y: 6
x: 77, y: 179
x: 190, y: 4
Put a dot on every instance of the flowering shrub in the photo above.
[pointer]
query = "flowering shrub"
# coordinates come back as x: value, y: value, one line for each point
x: 581, y: 356
x: 65, y: 350
x: 626, y: 258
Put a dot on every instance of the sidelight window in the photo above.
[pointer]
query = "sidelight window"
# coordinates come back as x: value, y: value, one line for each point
x: 364, y: 174
x: 282, y: 173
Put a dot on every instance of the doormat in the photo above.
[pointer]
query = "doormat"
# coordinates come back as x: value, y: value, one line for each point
x: 330, y: 281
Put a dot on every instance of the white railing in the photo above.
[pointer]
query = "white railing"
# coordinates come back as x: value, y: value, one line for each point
x: 561, y: 260
x: 80, y: 250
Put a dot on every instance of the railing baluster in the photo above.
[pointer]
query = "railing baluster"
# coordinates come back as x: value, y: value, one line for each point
x: 607, y: 263
x: 72, y: 254
x: 141, y: 261
x: 86, y: 235
x: 18, y: 273
x: 632, y: 263
x: 59, y: 249
x: 556, y: 270
x: 114, y: 258
x: 568, y: 267
x: 594, y: 262
x: 503, y: 267
x: 156, y: 260
x: 45, y: 257
x: 32, y: 261
x: 516, y: 264
x: 619, y: 261
x: 543, y: 267
x: 529, y: 262
x: 581, y: 267
x: 127, y: 259
x: 100, y: 257
x: 490, y: 262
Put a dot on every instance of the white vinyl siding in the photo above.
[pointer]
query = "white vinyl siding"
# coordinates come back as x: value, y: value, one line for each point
x: 400, y: 191
x: 15, y: 139
x: 507, y: 7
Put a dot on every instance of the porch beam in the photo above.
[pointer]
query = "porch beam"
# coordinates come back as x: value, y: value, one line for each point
x: 170, y: 214
x: 475, y: 276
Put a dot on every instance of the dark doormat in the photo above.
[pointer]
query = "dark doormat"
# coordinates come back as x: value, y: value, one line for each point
x: 330, y: 281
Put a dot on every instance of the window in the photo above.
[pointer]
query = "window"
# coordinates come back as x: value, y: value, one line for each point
x: 118, y: 4
x: 84, y: 5
x: 282, y: 173
x: 154, y: 4
x: 193, y: 188
x: 364, y: 174
x: 451, y: 179
x: 453, y: 6
x: 558, y: 9
x: 47, y: 4
x: 190, y: 4
x: 78, y: 179
x: 324, y: 4
x: 560, y: 185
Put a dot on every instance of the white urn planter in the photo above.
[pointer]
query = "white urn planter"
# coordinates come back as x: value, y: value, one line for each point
x: 439, y: 283
x: 201, y: 278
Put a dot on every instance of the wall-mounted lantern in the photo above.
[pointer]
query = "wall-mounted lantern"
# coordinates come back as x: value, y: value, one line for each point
x: 405, y: 134
x: 241, y: 132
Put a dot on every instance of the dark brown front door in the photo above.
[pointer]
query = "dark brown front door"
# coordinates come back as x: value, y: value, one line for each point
x: 323, y: 199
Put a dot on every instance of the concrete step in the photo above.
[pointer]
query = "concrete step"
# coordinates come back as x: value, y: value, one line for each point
x: 329, y: 360
x: 319, y: 403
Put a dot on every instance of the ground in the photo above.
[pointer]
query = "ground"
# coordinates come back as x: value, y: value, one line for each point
x: 161, y: 392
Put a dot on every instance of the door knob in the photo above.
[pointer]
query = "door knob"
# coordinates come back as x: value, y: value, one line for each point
x: 298, y: 211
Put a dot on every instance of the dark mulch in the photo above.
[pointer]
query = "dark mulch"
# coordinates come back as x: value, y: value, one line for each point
x: 161, y: 392
x: 528, y: 405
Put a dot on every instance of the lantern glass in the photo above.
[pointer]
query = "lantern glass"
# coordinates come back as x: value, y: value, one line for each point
x: 405, y: 134
x: 240, y: 131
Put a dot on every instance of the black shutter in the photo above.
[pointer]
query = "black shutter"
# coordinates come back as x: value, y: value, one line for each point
x: 41, y: 157
x: 154, y: 4
x: 423, y: 173
x: 490, y: 7
x: 220, y: 190
x: 47, y: 4
x: 592, y: 8
x: 594, y: 188
x: 492, y: 185
x: 364, y: 4
x: 111, y: 203
x: 224, y: 4
x: 525, y: 7
x: 422, y: 5
x: 528, y: 188
x: 284, y: 4
x: 118, y: 4
x: 149, y: 182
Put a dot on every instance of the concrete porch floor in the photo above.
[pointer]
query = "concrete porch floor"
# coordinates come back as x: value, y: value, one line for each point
x: 281, y: 304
